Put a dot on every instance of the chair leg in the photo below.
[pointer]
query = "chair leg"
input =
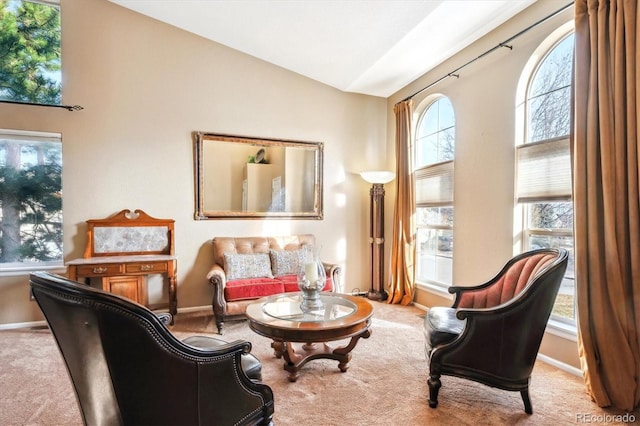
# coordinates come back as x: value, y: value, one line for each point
x: 527, y: 402
x: 434, y: 386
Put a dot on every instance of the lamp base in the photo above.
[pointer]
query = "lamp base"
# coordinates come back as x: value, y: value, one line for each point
x: 377, y: 295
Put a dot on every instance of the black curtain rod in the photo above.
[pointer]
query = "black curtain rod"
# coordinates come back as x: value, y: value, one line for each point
x: 493, y: 49
x: 67, y: 107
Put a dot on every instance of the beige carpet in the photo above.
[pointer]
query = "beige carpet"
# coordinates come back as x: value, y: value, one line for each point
x: 385, y: 384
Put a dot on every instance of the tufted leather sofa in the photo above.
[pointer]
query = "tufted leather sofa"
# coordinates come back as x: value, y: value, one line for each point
x: 231, y: 296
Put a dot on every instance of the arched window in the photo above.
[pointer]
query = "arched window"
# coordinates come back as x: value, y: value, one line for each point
x: 543, y: 164
x: 434, y: 154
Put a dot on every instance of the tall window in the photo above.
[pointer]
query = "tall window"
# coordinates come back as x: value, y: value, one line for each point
x: 30, y: 199
x: 543, y: 187
x: 434, y: 154
x: 30, y: 68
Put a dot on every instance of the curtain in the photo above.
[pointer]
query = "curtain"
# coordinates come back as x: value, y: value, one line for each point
x: 606, y: 199
x: 403, y: 249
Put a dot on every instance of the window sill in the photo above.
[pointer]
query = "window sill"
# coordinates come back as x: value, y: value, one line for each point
x: 563, y: 329
x: 16, y: 271
x: 437, y: 289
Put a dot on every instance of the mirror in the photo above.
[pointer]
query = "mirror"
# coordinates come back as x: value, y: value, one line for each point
x: 245, y: 177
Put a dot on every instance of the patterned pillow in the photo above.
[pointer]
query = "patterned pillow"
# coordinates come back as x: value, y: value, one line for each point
x: 286, y: 262
x: 240, y: 266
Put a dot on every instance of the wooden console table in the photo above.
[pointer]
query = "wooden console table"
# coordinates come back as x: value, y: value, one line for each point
x: 123, y: 250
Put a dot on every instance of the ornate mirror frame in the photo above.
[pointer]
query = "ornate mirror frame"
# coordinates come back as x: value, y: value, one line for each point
x: 239, y: 177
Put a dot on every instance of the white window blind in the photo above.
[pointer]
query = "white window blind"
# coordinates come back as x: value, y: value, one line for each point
x: 543, y: 171
x: 434, y: 185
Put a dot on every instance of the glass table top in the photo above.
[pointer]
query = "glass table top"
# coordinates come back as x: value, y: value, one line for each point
x: 287, y: 307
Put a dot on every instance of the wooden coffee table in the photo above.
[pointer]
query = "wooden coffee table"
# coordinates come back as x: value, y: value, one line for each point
x: 280, y: 318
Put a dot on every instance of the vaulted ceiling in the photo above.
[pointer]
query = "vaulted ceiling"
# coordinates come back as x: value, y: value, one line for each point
x: 373, y: 47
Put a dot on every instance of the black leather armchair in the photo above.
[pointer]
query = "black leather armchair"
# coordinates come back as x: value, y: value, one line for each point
x: 128, y: 369
x: 492, y: 333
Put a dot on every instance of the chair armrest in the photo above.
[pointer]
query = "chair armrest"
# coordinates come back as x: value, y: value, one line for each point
x: 458, y: 291
x: 221, y: 375
x: 165, y: 317
x: 334, y: 271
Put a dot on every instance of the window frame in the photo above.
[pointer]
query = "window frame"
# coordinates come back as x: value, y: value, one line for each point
x: 24, y: 268
x: 437, y: 169
x: 523, y: 232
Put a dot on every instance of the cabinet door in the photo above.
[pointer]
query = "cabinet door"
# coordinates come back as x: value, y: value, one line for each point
x: 131, y: 287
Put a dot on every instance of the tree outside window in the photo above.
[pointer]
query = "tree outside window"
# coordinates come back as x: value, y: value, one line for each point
x: 30, y: 64
x: 30, y: 199
x: 544, y: 166
x: 435, y: 149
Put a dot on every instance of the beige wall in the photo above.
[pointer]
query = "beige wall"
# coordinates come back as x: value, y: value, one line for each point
x: 145, y: 87
x: 484, y: 99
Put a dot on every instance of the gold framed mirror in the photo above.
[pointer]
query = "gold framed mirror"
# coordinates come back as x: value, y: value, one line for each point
x: 248, y: 177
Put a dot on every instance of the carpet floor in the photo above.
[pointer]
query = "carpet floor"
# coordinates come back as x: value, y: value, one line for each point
x: 386, y: 383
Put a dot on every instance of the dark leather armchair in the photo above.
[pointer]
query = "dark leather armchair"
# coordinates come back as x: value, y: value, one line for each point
x: 128, y: 369
x: 492, y: 333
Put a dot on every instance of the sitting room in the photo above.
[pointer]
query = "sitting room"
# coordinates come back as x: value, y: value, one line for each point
x: 197, y: 157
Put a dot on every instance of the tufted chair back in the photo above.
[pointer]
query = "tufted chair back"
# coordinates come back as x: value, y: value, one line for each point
x: 509, y: 282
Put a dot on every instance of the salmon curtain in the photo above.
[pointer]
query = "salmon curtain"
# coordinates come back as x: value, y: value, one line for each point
x: 403, y: 249
x: 606, y: 199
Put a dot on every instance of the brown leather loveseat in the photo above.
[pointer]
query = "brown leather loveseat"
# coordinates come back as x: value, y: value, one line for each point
x: 248, y: 268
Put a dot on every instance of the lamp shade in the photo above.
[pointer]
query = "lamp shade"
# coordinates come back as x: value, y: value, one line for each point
x: 378, y: 176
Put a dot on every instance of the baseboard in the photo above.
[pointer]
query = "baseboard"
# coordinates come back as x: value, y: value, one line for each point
x: 195, y: 309
x: 419, y: 306
x: 30, y: 324
x: 560, y: 365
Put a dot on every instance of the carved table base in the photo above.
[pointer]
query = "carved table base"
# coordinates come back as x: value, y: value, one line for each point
x: 296, y: 359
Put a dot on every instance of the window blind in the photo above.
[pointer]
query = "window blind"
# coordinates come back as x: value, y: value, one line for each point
x: 434, y: 185
x: 543, y: 171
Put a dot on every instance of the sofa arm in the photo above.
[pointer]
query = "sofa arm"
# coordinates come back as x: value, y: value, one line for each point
x: 217, y: 278
x: 216, y: 275
x: 334, y: 271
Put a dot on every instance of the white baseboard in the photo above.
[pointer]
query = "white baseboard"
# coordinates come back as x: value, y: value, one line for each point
x: 16, y: 325
x: 195, y: 309
x: 419, y: 306
x: 560, y: 365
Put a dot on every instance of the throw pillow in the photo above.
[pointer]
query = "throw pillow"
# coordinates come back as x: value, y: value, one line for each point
x: 240, y: 266
x: 286, y: 262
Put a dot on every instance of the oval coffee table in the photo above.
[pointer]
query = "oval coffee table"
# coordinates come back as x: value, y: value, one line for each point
x: 280, y: 318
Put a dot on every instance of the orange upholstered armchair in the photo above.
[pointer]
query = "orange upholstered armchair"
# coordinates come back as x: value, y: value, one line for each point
x: 492, y: 333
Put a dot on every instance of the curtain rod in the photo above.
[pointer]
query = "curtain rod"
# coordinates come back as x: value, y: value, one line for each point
x: 493, y: 49
x: 67, y: 107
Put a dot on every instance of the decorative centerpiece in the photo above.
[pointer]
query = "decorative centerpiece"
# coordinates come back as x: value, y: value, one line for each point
x: 311, y: 281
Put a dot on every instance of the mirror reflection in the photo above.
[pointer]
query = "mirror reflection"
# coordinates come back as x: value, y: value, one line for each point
x: 247, y: 177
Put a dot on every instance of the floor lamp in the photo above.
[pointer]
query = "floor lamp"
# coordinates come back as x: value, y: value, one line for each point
x: 377, y: 179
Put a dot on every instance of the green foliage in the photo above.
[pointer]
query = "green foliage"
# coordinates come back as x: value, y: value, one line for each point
x: 34, y: 193
x: 29, y: 52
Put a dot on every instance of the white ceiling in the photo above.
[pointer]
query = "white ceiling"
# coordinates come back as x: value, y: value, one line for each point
x: 374, y: 47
